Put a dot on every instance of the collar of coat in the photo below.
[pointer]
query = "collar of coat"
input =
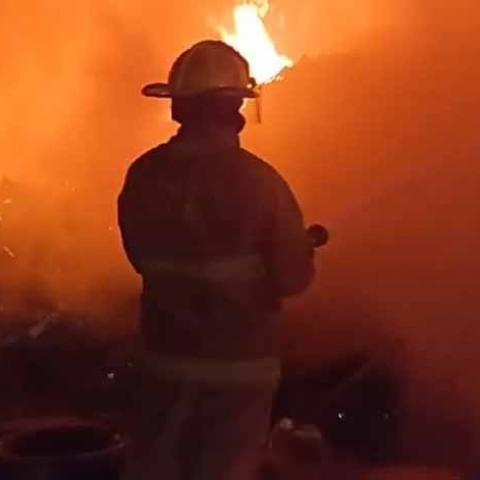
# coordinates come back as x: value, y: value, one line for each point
x: 205, y: 139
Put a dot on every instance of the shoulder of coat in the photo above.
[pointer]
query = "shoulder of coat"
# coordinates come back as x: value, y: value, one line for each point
x: 143, y: 164
x: 261, y: 166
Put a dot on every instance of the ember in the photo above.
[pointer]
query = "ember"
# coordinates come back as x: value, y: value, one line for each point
x: 8, y: 252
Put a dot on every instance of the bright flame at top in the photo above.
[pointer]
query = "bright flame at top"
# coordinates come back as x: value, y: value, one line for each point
x: 253, y: 41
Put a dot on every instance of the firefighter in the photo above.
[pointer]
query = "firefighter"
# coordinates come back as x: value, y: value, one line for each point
x: 219, y: 241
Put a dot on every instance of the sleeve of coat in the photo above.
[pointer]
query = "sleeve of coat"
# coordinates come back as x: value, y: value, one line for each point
x: 129, y: 212
x: 288, y: 251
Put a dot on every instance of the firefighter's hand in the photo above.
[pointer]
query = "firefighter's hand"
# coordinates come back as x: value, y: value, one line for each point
x: 318, y: 235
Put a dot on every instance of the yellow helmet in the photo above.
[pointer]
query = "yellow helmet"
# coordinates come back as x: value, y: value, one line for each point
x: 208, y: 67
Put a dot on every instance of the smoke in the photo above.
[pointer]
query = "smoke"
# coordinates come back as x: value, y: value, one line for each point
x: 67, y: 105
x: 72, y: 120
x: 376, y: 129
x: 312, y: 28
x: 379, y: 139
x: 72, y: 117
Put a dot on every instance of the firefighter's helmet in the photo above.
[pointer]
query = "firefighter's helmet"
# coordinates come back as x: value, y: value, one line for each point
x: 208, y: 67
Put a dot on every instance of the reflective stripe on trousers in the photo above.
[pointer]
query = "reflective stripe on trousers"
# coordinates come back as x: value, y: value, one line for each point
x: 263, y: 371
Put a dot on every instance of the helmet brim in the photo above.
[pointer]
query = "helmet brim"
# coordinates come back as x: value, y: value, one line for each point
x: 157, y: 90
x: 162, y: 90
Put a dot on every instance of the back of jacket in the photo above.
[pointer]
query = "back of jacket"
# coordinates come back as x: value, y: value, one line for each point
x: 219, y: 239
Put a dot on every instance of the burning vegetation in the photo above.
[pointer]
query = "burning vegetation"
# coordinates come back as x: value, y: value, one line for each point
x: 252, y: 40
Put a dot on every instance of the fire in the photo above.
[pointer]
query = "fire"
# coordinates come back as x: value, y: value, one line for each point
x: 252, y: 40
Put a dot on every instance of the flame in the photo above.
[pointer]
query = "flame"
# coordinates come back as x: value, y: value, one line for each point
x: 252, y: 40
